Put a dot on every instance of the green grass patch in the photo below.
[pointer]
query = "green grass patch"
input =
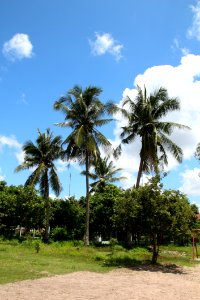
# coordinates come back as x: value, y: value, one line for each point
x: 20, y: 261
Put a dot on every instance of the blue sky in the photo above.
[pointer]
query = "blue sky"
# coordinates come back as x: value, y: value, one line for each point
x: 48, y: 46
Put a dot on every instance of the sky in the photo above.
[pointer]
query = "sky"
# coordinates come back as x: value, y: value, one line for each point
x: 48, y: 46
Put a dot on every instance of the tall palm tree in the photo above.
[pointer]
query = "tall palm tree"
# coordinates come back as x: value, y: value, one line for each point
x: 40, y: 158
x: 104, y: 173
x: 145, y: 119
x: 84, y: 112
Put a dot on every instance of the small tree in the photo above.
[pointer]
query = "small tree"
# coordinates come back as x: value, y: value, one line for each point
x: 102, y: 211
x: 104, y: 173
x: 155, y: 215
x: 163, y: 213
x: 126, y: 211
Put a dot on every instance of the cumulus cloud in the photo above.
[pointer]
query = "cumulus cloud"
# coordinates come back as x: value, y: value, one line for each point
x: 12, y: 143
x: 105, y: 43
x: 191, y: 182
x: 194, y: 30
x: 182, y: 81
x: 18, y: 47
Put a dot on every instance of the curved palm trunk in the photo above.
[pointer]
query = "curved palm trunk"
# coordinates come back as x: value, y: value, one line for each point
x: 139, y: 173
x: 87, y: 223
x: 47, y: 208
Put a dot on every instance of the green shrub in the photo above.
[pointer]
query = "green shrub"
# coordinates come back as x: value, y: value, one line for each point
x: 59, y: 234
x: 37, y: 246
x: 113, y: 244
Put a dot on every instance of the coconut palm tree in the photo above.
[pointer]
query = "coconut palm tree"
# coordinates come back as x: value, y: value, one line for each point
x: 84, y: 112
x: 104, y: 174
x: 40, y: 157
x: 145, y: 119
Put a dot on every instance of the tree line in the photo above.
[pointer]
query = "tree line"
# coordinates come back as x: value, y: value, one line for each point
x: 142, y: 216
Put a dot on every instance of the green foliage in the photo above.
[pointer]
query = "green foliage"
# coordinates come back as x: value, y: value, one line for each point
x: 104, y: 173
x: 68, y: 214
x: 144, y: 117
x: 22, y: 261
x: 19, y: 206
x: 37, y: 246
x: 113, y: 244
x: 59, y: 234
x: 126, y: 211
x: 84, y: 113
x: 164, y: 213
x: 102, y: 210
x: 41, y: 156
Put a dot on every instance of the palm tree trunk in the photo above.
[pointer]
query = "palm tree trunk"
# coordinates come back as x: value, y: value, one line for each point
x: 139, y: 173
x: 47, y: 208
x: 87, y: 223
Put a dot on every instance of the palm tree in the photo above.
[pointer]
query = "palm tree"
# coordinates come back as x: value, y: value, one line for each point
x: 84, y: 112
x: 104, y: 174
x: 145, y: 119
x: 40, y: 158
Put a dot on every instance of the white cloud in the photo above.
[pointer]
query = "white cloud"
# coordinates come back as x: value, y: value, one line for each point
x: 105, y: 43
x: 9, y: 141
x: 191, y: 182
x: 63, y: 166
x: 194, y: 30
x: 12, y: 143
x: 18, y: 47
x: 176, y: 46
x: 181, y: 81
x: 2, y: 176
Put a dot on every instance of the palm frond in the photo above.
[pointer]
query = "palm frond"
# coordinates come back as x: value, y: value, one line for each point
x: 54, y: 181
x: 175, y: 150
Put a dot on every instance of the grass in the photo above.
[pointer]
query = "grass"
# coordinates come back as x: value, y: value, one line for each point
x: 21, y: 261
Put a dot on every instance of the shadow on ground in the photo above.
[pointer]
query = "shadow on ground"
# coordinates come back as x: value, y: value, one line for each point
x: 138, y: 265
x: 164, y: 268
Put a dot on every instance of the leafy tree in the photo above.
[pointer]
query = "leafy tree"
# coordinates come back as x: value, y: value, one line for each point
x: 126, y: 211
x: 145, y: 119
x: 104, y: 174
x: 68, y: 214
x: 84, y: 112
x: 163, y: 213
x: 8, y: 204
x: 19, y: 206
x: 183, y: 216
x: 154, y: 217
x: 41, y: 157
x: 102, y: 211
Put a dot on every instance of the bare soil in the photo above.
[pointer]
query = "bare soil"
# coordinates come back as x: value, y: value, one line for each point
x: 144, y: 283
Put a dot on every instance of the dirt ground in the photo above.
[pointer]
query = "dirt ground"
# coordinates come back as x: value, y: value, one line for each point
x: 142, y: 283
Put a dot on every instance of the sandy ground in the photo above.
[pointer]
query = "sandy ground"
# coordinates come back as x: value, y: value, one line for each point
x: 138, y: 283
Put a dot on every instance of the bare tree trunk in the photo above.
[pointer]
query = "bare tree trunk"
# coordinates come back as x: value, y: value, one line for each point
x: 87, y: 223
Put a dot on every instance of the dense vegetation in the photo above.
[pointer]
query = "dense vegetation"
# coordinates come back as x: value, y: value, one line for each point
x: 141, y: 216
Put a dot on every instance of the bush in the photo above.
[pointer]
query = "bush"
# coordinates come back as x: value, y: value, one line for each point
x: 59, y: 234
